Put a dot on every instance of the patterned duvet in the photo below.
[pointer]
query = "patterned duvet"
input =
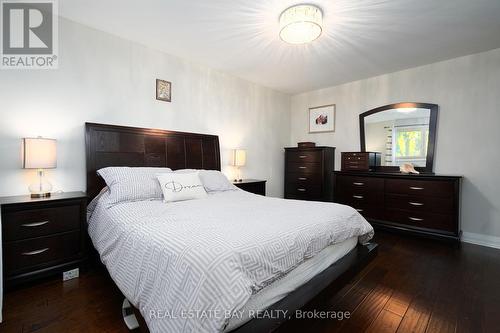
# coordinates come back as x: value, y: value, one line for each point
x: 187, y: 266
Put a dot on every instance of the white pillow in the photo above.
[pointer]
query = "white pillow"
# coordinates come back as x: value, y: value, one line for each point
x: 181, y: 186
x: 132, y: 184
x: 215, y: 181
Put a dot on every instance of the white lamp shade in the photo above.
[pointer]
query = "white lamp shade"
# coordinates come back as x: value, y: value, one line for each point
x: 39, y: 153
x: 239, y: 157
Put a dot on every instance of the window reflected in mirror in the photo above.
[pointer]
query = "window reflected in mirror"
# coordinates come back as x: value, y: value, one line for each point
x: 400, y: 135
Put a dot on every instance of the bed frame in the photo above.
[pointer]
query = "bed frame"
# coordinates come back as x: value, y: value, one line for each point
x: 110, y: 145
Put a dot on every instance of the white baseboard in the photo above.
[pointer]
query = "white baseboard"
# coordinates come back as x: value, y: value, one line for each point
x: 479, y: 239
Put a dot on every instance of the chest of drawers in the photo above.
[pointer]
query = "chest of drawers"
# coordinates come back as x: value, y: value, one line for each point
x: 424, y: 204
x: 308, y: 173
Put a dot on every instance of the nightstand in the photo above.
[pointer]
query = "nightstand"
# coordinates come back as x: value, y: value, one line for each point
x: 255, y: 186
x: 42, y: 236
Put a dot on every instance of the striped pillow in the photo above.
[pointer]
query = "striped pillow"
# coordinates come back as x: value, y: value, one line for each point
x: 132, y: 184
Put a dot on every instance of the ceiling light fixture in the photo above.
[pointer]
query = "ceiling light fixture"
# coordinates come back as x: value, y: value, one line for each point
x: 301, y: 24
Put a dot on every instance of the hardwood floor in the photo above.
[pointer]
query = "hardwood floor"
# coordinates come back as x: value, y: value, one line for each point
x: 413, y: 285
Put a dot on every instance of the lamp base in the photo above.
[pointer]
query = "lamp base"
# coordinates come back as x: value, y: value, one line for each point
x: 42, y: 188
x: 40, y: 195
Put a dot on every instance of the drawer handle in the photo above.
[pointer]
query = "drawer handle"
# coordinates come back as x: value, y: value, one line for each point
x: 415, y: 219
x: 35, y: 224
x: 301, y: 189
x: 416, y: 188
x: 302, y: 167
x: 359, y: 210
x: 302, y: 156
x: 415, y: 203
x: 33, y: 253
x: 358, y: 196
x: 302, y: 178
x: 358, y: 184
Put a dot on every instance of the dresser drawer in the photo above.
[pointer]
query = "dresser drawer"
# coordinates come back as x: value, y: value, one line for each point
x: 369, y: 211
x: 420, y: 203
x: 301, y: 189
x: 40, y: 252
x: 422, y: 219
x: 313, y: 178
x: 359, y: 197
x: 38, y: 222
x: 304, y: 168
x: 360, y: 184
x: 314, y: 156
x: 419, y: 187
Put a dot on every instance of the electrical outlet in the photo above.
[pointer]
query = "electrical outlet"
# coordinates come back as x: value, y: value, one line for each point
x: 71, y: 274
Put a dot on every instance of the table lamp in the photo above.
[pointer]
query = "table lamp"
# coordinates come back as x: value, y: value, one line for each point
x: 239, y: 159
x: 39, y: 153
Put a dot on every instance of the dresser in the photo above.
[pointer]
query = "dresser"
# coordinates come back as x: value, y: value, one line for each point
x: 421, y: 204
x: 41, y: 237
x: 309, y: 172
x: 255, y: 186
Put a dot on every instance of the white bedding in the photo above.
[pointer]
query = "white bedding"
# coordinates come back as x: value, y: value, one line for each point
x: 293, y: 280
x: 188, y: 265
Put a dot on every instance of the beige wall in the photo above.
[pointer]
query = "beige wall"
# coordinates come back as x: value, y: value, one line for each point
x: 105, y: 79
x: 467, y: 90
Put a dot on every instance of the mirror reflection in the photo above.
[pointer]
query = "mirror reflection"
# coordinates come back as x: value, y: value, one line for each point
x: 400, y: 135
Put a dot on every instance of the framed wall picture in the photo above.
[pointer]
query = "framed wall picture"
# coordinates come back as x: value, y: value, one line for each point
x: 322, y: 119
x: 163, y: 90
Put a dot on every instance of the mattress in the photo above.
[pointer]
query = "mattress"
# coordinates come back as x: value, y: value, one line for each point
x: 293, y: 280
x: 187, y: 265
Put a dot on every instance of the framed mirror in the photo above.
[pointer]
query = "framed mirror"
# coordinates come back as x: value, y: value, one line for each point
x: 401, y: 133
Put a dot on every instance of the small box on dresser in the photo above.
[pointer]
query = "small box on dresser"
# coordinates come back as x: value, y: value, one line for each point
x: 42, y: 237
x: 309, y: 172
x: 360, y: 161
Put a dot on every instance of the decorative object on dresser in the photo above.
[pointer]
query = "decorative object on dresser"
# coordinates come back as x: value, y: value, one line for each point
x: 360, y: 161
x: 306, y: 144
x: 255, y: 186
x: 403, y: 133
x: 322, y: 119
x: 39, y: 153
x: 309, y: 172
x: 163, y: 90
x: 238, y: 160
x: 42, y: 236
x: 421, y: 204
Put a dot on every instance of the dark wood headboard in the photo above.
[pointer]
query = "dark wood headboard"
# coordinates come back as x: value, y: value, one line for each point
x: 110, y: 145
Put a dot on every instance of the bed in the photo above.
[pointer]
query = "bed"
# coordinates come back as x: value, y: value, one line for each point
x: 208, y: 265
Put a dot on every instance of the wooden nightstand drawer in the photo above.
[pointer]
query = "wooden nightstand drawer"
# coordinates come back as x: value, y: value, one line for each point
x: 40, y: 252
x: 38, y: 222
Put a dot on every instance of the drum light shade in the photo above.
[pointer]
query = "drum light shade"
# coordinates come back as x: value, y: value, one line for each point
x: 301, y: 24
x: 39, y: 153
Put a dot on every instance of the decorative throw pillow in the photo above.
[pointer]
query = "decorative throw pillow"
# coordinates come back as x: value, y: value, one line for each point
x: 181, y: 186
x: 215, y: 181
x: 132, y: 184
